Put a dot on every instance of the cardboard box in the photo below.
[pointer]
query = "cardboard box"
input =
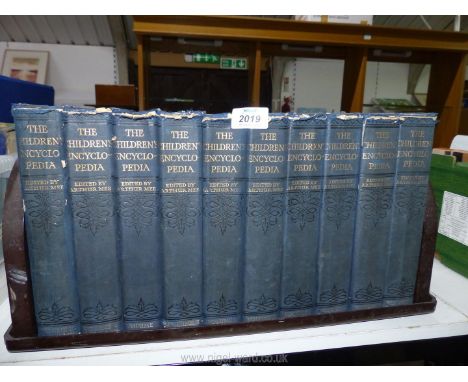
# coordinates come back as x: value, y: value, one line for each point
x: 460, y: 155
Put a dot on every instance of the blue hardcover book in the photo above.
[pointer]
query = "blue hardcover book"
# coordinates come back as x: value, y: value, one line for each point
x: 136, y: 156
x: 91, y: 169
x: 409, y: 204
x: 181, y: 207
x: 41, y: 152
x: 374, y: 215
x: 306, y: 154
x: 337, y: 220
x: 266, y: 187
x: 224, y: 182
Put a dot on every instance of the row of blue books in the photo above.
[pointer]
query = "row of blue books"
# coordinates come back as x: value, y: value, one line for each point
x: 142, y: 220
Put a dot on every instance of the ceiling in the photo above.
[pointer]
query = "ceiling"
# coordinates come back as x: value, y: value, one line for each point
x: 413, y: 21
x: 417, y: 22
x: 77, y: 30
x: 98, y: 31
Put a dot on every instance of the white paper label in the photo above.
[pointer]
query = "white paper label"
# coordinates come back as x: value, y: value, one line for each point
x: 249, y: 118
x: 454, y: 217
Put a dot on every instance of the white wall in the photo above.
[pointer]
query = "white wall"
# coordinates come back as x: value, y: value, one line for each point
x: 315, y: 83
x: 318, y: 82
x: 423, y: 82
x: 386, y: 80
x: 73, y: 70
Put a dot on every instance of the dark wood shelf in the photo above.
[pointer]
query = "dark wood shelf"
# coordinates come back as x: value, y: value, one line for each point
x: 356, y: 44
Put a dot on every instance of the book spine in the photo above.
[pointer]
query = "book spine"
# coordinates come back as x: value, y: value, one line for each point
x: 338, y: 213
x: 305, y: 161
x: 91, y: 170
x: 181, y: 207
x: 373, y: 220
x: 224, y: 165
x: 47, y: 215
x: 409, y: 203
x: 136, y: 155
x: 266, y: 172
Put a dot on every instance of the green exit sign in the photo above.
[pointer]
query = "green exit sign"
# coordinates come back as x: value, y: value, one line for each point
x: 238, y: 63
x: 202, y: 58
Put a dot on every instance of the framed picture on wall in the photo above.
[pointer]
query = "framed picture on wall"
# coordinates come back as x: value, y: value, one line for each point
x: 27, y: 65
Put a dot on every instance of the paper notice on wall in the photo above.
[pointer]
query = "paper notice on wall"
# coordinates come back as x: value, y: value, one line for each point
x: 454, y: 217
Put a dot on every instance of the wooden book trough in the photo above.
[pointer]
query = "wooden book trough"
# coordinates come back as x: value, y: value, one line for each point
x: 22, y: 334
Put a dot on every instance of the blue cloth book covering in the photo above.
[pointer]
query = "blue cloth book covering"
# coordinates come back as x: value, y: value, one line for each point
x: 92, y: 191
x: 224, y: 188
x: 137, y: 221
x: 48, y: 219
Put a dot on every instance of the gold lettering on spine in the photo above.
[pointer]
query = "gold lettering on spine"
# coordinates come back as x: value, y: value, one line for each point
x: 412, y: 180
x: 88, y: 156
x: 379, y: 145
x: 33, y: 141
x: 412, y: 143
x: 341, y: 161
x: 180, y: 134
x: 343, y: 135
x: 176, y: 146
x: 87, y: 131
x: 135, y: 156
x: 42, y: 185
x: 267, y: 157
x: 415, y: 151
x: 227, y: 186
x: 179, y: 187
x: 414, y: 164
x: 340, y: 183
x: 305, y: 146
x: 382, y: 151
x: 377, y: 182
x: 136, y: 167
x: 342, y: 145
x: 40, y: 165
x: 179, y: 158
x: 268, y: 136
x: 304, y: 184
x: 89, y: 167
x: 90, y: 186
x: 266, y: 187
x: 33, y: 156
x: 307, y: 135
x: 417, y: 134
x: 224, y: 135
x: 266, y: 147
x: 138, y: 133
x: 223, y: 169
x: 86, y: 143
x: 222, y: 146
x: 222, y: 163
x: 137, y: 186
x: 136, y: 144
x: 296, y: 154
x: 37, y: 129
x: 93, y: 155
x: 339, y: 156
x: 222, y: 158
x: 46, y: 153
x: 185, y: 167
